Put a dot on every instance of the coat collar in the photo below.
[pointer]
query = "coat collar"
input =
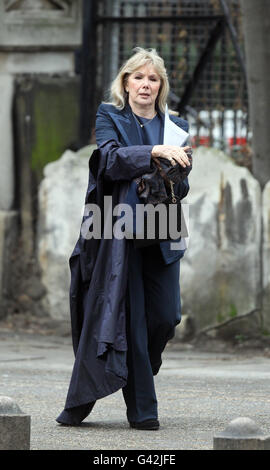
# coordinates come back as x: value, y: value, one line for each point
x: 125, y: 122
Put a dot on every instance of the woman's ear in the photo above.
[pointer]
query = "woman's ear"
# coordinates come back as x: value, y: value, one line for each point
x: 125, y: 80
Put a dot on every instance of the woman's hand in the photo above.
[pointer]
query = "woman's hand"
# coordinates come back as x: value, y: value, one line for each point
x: 173, y: 153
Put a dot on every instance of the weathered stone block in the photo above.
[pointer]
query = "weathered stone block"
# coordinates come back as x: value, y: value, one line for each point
x: 37, y: 23
x: 61, y: 202
x: 12, y: 63
x: 15, y: 426
x: 220, y: 272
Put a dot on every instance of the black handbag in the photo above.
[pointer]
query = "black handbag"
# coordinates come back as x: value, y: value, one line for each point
x: 157, y: 188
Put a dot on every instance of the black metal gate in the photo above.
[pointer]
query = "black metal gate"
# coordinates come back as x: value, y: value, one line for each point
x: 201, y: 43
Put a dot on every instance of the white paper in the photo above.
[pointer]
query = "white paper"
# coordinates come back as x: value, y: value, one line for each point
x: 173, y: 135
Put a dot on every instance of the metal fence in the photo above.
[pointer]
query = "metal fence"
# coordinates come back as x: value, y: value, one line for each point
x: 201, y: 44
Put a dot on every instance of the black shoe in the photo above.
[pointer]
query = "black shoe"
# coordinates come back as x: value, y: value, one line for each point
x: 147, y: 425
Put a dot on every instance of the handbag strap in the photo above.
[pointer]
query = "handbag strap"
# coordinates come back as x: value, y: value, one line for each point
x: 174, y: 200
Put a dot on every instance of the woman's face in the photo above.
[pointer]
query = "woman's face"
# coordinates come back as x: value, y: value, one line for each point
x: 143, y: 86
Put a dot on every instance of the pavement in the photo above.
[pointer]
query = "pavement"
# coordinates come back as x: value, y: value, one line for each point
x: 199, y: 393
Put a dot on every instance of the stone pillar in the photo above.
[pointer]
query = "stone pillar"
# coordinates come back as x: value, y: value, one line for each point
x: 6, y: 156
x: 15, y: 426
x: 36, y: 37
x: 7, y: 216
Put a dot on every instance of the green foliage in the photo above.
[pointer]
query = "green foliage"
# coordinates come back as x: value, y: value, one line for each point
x: 240, y: 338
x: 56, y: 115
x: 265, y: 332
x: 233, y: 311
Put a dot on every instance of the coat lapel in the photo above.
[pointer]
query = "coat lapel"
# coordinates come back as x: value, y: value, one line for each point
x: 127, y: 127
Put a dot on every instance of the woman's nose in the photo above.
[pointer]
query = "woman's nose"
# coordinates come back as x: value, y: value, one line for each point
x: 146, y: 83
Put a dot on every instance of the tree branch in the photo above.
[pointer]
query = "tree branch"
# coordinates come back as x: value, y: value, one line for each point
x: 227, y: 322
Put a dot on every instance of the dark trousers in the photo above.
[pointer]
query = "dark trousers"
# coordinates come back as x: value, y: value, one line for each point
x: 153, y: 311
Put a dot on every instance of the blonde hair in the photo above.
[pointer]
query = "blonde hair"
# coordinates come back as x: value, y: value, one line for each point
x: 118, y: 95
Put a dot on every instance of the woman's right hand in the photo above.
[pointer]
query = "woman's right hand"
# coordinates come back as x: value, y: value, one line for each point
x: 173, y: 153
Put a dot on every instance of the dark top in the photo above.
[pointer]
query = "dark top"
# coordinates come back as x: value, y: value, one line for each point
x: 152, y: 132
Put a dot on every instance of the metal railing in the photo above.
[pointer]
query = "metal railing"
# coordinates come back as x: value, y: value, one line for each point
x: 201, y: 44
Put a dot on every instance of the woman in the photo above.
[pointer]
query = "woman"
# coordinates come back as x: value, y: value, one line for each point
x: 142, y: 284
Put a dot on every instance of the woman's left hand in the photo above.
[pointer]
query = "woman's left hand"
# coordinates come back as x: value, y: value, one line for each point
x: 173, y: 153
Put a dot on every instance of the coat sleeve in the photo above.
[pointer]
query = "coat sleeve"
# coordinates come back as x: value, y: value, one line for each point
x: 123, y: 163
x: 126, y: 163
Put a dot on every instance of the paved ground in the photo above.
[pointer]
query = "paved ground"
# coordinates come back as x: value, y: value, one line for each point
x: 199, y: 394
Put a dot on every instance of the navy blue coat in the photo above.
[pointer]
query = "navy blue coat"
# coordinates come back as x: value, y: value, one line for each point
x: 120, y: 125
x: 99, y: 268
